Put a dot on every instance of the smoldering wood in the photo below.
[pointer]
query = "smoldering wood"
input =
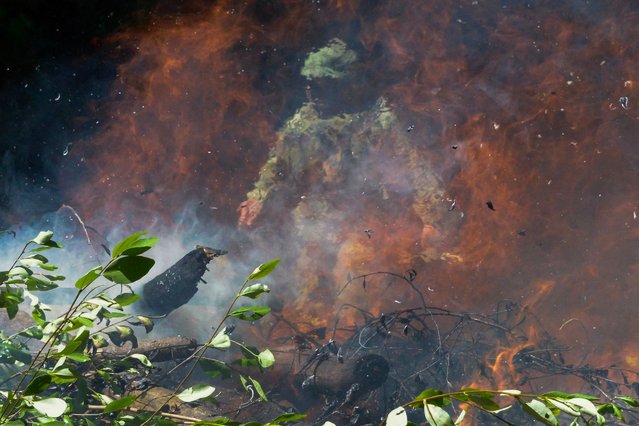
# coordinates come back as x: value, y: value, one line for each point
x: 178, y: 284
x: 356, y: 375
x: 173, y: 348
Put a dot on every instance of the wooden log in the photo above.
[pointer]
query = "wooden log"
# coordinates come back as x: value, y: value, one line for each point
x: 178, y: 284
x: 173, y: 348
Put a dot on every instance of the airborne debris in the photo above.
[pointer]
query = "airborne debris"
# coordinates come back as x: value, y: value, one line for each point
x: 146, y: 191
x: 455, y: 146
x: 66, y: 149
x: 178, y: 284
x: 452, y: 205
x: 490, y: 205
x: 410, y: 128
x: 369, y: 232
x: 623, y: 101
x: 521, y: 232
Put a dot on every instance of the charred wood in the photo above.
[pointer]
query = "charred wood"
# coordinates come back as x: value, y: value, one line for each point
x: 348, y: 379
x: 178, y: 284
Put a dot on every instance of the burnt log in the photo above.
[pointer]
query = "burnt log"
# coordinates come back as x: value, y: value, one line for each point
x: 349, y: 379
x: 178, y: 284
x: 174, y: 348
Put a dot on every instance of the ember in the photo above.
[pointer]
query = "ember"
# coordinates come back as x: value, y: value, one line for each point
x: 331, y: 134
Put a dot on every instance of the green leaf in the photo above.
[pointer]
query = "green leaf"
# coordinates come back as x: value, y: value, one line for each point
x: 430, y: 394
x: 628, y: 400
x: 19, y: 355
x: 20, y: 271
x: 263, y: 270
x: 99, y: 341
x: 585, y: 406
x: 142, y: 358
x: 222, y: 340
x: 38, y: 385
x: 126, y: 270
x: 126, y: 299
x: 55, y: 277
x: 52, y: 407
x: 460, y: 418
x: 125, y: 244
x: 79, y: 357
x: 114, y: 315
x: 214, y: 368
x: 144, y: 321
x: 84, y: 281
x: 64, y: 375
x: 486, y: 403
x: 76, y: 344
x: 250, y: 313
x: 140, y: 246
x: 31, y: 263
x: 510, y: 392
x: 12, y: 310
x: 285, y: 418
x: 437, y: 416
x: 37, y: 284
x: 538, y: 410
x: 33, y: 332
x: 397, y: 417
x: 583, y: 396
x: 254, y: 291
x: 38, y: 315
x: 258, y: 388
x: 611, y: 409
x: 266, y: 358
x: 48, y: 267
x: 196, y: 392
x: 119, y: 404
x: 43, y: 238
x: 562, y: 405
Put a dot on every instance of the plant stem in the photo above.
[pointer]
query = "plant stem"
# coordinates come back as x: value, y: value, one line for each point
x: 198, y: 354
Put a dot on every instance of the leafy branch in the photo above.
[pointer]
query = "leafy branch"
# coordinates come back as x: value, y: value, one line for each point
x: 582, y: 409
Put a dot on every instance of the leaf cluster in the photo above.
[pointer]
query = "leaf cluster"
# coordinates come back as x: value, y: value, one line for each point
x: 546, y: 408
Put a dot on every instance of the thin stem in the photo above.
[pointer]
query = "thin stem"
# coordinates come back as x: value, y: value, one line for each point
x: 198, y: 354
x: 136, y: 410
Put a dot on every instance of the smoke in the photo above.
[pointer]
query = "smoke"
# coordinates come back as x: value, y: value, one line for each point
x: 388, y: 168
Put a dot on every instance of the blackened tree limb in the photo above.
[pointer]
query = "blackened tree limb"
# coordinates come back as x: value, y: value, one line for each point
x: 178, y: 284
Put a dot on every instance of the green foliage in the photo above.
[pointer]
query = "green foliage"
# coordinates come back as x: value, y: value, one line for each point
x: 67, y: 341
x: 196, y: 392
x: 547, y: 408
x: 40, y: 392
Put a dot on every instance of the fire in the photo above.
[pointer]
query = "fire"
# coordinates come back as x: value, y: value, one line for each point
x: 514, y: 117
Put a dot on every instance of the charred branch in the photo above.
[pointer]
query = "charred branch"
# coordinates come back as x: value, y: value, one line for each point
x: 178, y: 284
